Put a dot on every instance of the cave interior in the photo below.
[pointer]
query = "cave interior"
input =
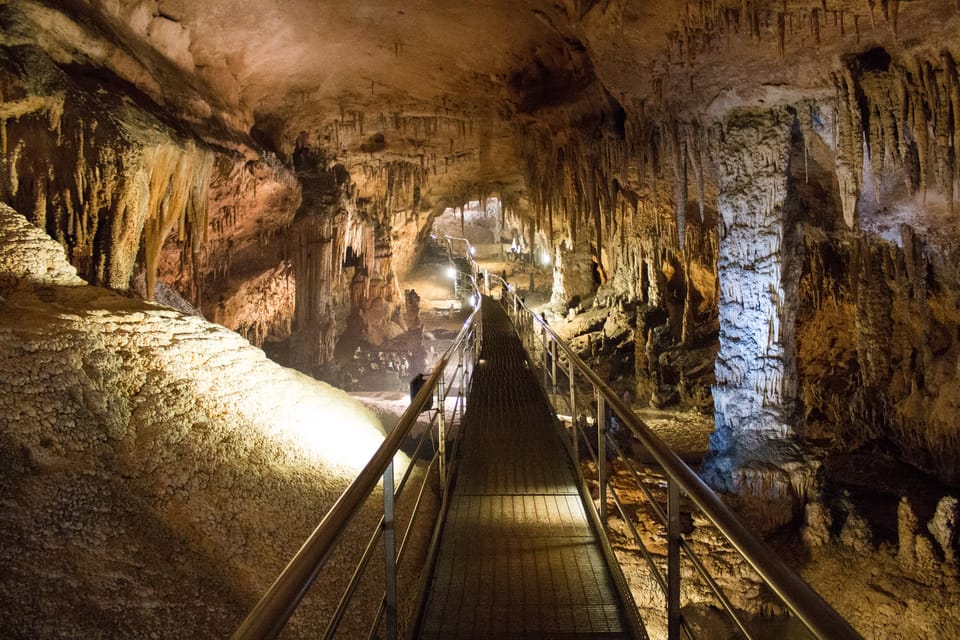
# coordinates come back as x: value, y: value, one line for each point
x: 742, y: 213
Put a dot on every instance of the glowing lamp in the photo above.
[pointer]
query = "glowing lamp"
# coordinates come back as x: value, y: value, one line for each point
x: 452, y: 272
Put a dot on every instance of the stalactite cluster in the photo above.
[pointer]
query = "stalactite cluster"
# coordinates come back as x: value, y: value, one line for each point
x: 629, y: 196
x: 342, y: 251
x: 179, y: 195
x: 641, y: 205
x: 103, y: 179
x: 396, y: 187
x: 877, y: 346
x: 436, y: 141
x: 708, y: 27
x: 898, y: 118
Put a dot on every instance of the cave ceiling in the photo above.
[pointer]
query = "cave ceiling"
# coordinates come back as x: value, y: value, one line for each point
x: 444, y: 80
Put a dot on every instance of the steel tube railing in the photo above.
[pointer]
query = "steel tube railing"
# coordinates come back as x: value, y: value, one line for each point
x: 693, y: 557
x: 654, y: 569
x: 268, y: 617
x: 809, y: 608
x: 365, y: 559
x: 673, y: 560
x: 368, y: 552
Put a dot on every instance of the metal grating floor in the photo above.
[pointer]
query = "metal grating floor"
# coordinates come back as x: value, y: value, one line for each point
x: 518, y: 558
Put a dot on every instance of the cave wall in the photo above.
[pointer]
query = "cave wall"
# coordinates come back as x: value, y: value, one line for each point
x: 137, y: 199
x: 822, y: 248
x: 88, y: 165
x: 879, y: 289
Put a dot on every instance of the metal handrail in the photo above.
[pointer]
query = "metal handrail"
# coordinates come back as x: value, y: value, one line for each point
x: 805, y: 603
x: 269, y: 616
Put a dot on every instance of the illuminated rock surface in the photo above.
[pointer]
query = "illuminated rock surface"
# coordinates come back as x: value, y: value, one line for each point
x: 749, y: 211
x: 159, y: 470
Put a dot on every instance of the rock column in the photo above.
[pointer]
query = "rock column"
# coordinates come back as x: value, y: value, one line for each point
x: 317, y: 248
x: 753, y: 452
x: 572, y: 276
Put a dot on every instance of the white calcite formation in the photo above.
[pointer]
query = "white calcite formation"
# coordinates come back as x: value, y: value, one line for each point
x: 158, y: 470
x: 572, y: 277
x: 754, y: 450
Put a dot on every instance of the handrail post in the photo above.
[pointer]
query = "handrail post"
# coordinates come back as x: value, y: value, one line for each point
x: 673, y: 559
x: 522, y: 319
x: 390, y: 555
x: 574, y: 431
x: 463, y: 375
x: 546, y: 359
x: 602, y: 455
x: 442, y: 433
x: 462, y: 369
x: 528, y: 336
x: 553, y: 373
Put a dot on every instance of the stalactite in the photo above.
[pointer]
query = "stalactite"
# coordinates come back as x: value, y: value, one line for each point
x: 849, y: 137
x: 953, y: 93
x: 688, y: 325
x: 781, y: 34
x: 680, y: 177
x: 815, y: 26
x: 700, y: 170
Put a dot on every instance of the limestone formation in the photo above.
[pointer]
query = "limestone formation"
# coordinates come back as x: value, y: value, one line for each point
x: 158, y: 468
x: 744, y: 209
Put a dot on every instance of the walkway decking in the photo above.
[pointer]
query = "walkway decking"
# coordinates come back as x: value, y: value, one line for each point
x: 518, y: 558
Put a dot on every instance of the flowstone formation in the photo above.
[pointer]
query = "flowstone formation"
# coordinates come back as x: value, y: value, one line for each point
x: 155, y: 462
x: 756, y: 453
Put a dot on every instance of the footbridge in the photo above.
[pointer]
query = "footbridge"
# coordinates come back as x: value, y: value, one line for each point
x: 493, y: 500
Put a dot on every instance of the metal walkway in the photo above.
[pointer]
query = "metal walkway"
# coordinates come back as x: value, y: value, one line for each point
x: 518, y: 557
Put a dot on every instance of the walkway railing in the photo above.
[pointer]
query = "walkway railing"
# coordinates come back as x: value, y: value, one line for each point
x: 582, y: 401
x: 445, y: 390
